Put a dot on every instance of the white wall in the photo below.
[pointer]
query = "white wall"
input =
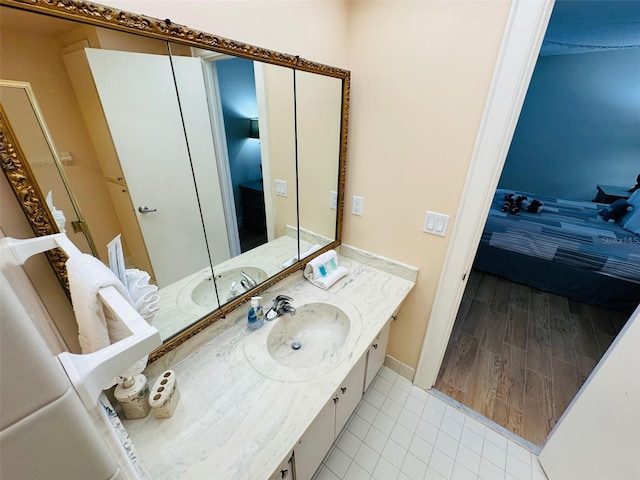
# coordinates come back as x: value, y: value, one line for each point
x: 598, y: 435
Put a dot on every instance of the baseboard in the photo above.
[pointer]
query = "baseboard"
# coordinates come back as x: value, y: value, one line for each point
x: 400, y: 368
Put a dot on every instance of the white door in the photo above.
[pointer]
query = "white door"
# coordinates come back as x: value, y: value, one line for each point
x: 197, y: 123
x: 599, y: 434
x: 140, y: 104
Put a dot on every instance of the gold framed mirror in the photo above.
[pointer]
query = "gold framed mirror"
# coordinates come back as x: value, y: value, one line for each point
x: 316, y: 155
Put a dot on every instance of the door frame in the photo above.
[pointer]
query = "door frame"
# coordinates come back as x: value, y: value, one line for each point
x: 517, y: 58
x: 210, y: 74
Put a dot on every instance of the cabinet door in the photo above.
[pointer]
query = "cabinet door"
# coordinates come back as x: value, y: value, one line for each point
x: 284, y: 470
x: 315, y: 442
x: 350, y: 393
x: 376, y: 354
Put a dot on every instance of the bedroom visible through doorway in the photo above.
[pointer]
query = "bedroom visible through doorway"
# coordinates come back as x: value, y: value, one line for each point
x: 525, y: 339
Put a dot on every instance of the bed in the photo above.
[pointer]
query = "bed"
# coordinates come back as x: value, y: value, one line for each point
x: 566, y: 249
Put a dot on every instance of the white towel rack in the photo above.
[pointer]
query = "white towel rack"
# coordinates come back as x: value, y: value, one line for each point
x: 89, y: 373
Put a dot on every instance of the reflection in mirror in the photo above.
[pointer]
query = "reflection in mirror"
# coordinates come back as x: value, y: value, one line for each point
x: 318, y: 117
x: 22, y: 114
x: 110, y: 101
x: 255, y: 236
x: 160, y: 149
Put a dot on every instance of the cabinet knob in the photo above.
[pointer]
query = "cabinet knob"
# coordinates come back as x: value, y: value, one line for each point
x: 120, y: 178
x: 284, y: 473
x: 343, y: 389
x: 375, y: 346
x: 335, y: 400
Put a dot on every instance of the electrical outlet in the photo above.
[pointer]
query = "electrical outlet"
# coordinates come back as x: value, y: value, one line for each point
x: 357, y: 206
x: 333, y: 200
x: 281, y: 188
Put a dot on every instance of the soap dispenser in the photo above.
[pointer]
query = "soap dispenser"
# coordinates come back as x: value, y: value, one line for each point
x: 256, y: 314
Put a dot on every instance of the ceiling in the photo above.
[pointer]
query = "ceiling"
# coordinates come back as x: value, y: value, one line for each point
x: 580, y: 26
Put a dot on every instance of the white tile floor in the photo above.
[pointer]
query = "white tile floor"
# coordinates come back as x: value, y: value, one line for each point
x: 401, y: 432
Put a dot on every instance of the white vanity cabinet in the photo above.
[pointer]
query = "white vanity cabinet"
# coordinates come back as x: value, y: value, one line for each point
x: 284, y: 470
x: 316, y: 441
x: 376, y: 355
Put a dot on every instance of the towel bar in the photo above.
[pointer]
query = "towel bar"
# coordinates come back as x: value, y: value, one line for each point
x: 90, y: 372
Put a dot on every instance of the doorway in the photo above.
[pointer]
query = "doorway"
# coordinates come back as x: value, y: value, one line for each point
x: 501, y: 114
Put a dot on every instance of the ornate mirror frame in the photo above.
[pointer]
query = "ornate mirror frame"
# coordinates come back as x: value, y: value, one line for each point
x: 28, y: 193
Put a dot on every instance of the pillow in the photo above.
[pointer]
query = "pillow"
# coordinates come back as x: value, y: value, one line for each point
x: 634, y: 200
x: 633, y: 222
x: 616, y: 210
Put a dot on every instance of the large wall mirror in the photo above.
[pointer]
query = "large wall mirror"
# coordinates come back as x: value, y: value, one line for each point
x: 220, y: 165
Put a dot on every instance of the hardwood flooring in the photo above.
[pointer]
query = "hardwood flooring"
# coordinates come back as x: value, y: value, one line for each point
x: 518, y: 355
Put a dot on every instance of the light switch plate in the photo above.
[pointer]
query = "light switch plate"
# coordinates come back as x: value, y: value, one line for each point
x: 436, y: 223
x: 281, y: 188
x: 333, y: 200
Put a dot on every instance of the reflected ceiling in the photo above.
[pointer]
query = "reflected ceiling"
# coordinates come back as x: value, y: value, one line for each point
x: 592, y: 26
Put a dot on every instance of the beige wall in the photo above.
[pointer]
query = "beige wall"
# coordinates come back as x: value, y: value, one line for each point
x: 318, y: 102
x: 312, y: 29
x: 420, y: 77
x: 277, y: 143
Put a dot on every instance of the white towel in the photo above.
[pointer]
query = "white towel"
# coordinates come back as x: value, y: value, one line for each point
x: 97, y: 328
x: 323, y: 271
x: 144, y: 296
x: 314, y: 248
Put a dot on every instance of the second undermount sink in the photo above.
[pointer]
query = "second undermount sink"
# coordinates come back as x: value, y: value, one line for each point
x: 319, y: 337
x: 315, y: 333
x: 204, y: 294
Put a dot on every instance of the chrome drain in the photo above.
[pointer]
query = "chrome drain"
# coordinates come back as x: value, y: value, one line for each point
x: 296, y: 345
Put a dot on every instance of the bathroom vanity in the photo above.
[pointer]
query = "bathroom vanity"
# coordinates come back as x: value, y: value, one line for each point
x: 248, y: 403
x: 247, y: 413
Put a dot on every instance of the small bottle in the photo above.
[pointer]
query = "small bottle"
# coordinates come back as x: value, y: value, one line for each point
x: 256, y: 314
x: 233, y: 292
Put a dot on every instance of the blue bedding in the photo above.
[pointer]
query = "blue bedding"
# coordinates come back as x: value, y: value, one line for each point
x: 565, y: 232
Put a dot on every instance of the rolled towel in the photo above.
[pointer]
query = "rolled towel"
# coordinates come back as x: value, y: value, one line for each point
x: 144, y: 296
x: 324, y: 271
x: 97, y: 328
x: 287, y: 263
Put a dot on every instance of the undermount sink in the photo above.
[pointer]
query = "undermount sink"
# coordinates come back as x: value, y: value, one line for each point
x: 304, y: 346
x: 315, y: 333
x: 204, y: 294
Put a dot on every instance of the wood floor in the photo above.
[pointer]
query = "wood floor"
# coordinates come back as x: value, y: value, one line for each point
x: 518, y: 355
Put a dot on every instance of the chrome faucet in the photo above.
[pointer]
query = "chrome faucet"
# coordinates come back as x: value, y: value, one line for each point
x: 247, y: 282
x: 280, y: 306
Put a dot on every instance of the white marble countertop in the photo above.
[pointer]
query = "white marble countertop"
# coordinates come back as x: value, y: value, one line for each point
x: 234, y: 422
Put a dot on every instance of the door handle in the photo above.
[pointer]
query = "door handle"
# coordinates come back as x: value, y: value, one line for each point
x: 145, y: 209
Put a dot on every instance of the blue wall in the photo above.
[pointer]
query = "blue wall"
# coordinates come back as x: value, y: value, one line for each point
x: 579, y: 126
x: 238, y: 96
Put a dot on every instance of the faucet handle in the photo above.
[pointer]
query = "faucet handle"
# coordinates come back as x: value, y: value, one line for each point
x: 282, y: 298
